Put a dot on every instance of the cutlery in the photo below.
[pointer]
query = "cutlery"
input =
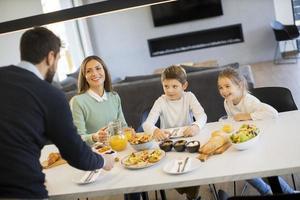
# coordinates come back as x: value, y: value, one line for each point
x: 174, y: 132
x: 185, y: 161
x: 89, y: 177
x: 179, y: 164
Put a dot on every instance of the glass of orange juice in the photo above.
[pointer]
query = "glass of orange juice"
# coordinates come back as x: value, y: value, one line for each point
x: 128, y: 131
x: 117, y: 139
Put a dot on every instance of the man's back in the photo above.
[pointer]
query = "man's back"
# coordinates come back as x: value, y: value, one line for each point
x: 31, y: 112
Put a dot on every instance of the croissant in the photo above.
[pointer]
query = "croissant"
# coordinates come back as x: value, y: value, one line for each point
x: 217, y: 144
x: 52, y: 158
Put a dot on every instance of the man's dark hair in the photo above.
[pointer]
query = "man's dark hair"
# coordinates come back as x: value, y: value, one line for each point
x: 36, y: 43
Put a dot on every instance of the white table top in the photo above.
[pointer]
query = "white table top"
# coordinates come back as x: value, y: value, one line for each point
x: 276, y: 153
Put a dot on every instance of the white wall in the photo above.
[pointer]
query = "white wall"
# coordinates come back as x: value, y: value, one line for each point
x: 9, y: 43
x: 284, y: 14
x: 121, y: 38
x: 283, y: 11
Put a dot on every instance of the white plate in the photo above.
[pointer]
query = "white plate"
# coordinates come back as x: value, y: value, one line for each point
x: 92, y: 177
x: 142, y: 164
x: 172, y: 166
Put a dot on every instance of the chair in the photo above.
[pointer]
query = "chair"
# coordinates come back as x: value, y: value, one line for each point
x: 279, y: 98
x: 284, y: 33
x: 224, y: 196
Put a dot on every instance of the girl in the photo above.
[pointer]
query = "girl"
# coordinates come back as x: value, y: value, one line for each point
x: 96, y: 104
x: 241, y: 106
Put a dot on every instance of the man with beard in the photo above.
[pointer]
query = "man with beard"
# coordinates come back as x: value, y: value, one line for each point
x: 32, y: 112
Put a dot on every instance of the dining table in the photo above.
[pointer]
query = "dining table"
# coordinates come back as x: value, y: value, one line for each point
x: 277, y: 152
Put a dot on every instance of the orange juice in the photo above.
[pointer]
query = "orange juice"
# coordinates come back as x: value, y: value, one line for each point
x: 228, y: 128
x: 128, y: 134
x: 118, y: 142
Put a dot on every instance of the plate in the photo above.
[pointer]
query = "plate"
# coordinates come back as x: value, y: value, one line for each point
x: 172, y: 166
x: 88, y: 177
x: 141, y: 159
x: 101, y: 149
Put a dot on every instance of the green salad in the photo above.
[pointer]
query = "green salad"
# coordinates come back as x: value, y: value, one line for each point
x: 245, y: 133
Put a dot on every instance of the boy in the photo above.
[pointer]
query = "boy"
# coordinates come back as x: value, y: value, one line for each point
x: 176, y: 108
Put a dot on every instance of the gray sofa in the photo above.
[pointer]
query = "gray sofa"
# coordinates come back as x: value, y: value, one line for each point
x: 138, y: 93
x: 138, y: 96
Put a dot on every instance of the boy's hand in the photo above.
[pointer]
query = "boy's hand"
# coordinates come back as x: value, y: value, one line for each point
x: 191, y: 131
x: 160, y: 135
x: 242, y: 117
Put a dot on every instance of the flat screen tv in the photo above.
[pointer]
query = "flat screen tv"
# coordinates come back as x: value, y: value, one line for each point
x: 185, y: 10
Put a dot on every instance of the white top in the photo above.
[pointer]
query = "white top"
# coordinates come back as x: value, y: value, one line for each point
x: 97, y: 97
x: 250, y: 104
x: 175, y: 113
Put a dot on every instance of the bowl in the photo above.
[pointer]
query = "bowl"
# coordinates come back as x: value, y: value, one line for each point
x: 179, y: 145
x: 192, y: 146
x: 166, y: 145
x: 143, y: 146
x: 247, y: 144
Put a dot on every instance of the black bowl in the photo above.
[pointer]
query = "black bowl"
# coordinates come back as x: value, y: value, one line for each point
x: 166, y: 145
x: 179, y: 145
x: 193, y: 146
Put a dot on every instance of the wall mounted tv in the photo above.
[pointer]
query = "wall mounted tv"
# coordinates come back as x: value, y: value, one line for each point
x: 185, y: 10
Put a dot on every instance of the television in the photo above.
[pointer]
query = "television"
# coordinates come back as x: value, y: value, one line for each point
x: 185, y: 10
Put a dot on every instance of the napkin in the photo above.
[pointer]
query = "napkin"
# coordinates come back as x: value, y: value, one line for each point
x: 174, y: 166
x: 90, y: 176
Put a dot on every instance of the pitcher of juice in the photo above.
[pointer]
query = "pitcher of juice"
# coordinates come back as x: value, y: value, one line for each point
x: 117, y: 140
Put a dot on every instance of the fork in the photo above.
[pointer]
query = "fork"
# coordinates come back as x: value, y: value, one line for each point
x: 179, y: 164
x: 174, y: 132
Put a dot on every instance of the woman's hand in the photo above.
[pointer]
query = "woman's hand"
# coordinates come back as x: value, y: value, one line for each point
x: 160, y: 134
x: 191, y: 130
x: 101, y: 135
x: 242, y: 117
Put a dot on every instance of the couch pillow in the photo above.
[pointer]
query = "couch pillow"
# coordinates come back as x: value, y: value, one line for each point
x: 138, y: 78
x: 189, y: 69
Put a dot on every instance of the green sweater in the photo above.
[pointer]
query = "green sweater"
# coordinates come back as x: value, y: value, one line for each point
x: 90, y: 115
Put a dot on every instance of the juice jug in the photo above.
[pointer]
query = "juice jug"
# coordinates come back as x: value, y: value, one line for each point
x: 117, y: 140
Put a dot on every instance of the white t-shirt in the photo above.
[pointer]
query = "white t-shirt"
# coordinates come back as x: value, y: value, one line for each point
x: 175, y: 113
x: 250, y: 104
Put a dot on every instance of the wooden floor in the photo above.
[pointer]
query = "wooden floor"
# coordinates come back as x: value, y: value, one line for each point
x: 265, y: 74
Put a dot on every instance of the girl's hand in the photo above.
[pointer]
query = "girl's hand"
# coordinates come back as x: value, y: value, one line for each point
x: 191, y: 131
x: 160, y: 135
x: 242, y: 117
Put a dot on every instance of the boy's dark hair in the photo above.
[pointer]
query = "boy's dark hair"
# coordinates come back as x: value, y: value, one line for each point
x: 174, y: 72
x: 36, y: 43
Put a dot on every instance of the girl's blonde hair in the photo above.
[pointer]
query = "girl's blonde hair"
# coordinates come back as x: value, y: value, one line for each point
x: 174, y: 72
x: 235, y: 77
x: 83, y: 85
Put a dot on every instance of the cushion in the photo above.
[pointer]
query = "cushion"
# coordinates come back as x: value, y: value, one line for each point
x: 189, y: 69
x: 137, y: 78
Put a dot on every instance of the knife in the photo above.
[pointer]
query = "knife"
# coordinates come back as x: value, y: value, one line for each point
x: 184, y: 164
